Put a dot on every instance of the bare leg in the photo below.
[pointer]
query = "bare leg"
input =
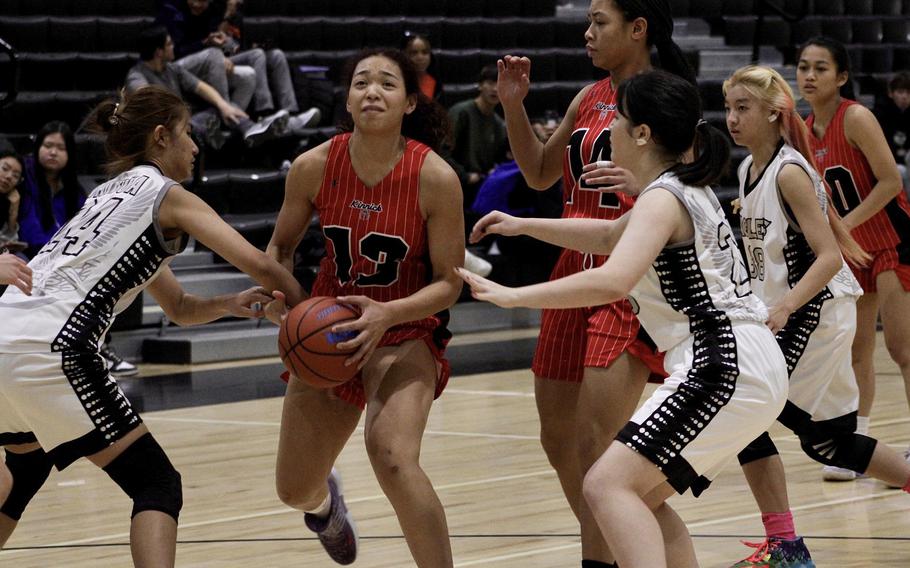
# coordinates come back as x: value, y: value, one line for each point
x: 768, y: 483
x: 8, y: 525
x: 864, y: 350
x: 677, y: 541
x: 315, y: 425
x: 153, y: 534
x: 557, y: 406
x: 889, y: 466
x: 400, y: 384
x: 615, y: 488
x: 607, y: 400
x: 895, y: 311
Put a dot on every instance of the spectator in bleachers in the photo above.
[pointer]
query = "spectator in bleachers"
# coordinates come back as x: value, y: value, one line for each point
x: 10, y: 176
x: 419, y: 50
x: 893, y: 113
x: 523, y: 259
x: 51, y: 194
x: 196, y: 25
x: 479, y: 140
x: 156, y: 67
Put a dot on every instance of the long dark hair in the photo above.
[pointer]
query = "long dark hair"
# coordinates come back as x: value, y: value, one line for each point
x: 660, y: 33
x: 428, y: 123
x: 9, y: 152
x: 841, y: 59
x: 129, y: 123
x: 68, y: 181
x: 671, y: 107
x: 410, y: 37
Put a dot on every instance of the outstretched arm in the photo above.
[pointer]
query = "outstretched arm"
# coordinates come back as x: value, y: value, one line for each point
x: 184, y: 211
x: 595, y: 236
x: 188, y: 309
x: 656, y: 218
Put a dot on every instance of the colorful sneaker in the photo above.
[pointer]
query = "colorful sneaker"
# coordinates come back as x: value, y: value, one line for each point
x: 777, y: 553
x: 337, y: 532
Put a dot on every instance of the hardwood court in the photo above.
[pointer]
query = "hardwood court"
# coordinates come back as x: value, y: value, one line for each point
x: 503, y: 501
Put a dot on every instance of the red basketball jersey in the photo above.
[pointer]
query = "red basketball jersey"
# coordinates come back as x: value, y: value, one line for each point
x: 850, y: 180
x: 590, y: 142
x: 375, y: 237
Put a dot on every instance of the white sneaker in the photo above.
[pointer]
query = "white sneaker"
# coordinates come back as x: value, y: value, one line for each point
x: 832, y: 473
x: 117, y: 366
x: 307, y: 119
x: 477, y: 265
x: 269, y: 127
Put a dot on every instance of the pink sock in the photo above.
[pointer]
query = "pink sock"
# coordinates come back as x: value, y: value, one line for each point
x: 780, y: 525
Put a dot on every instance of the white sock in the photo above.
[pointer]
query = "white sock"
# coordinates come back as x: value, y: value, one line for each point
x: 862, y: 425
x: 322, y: 511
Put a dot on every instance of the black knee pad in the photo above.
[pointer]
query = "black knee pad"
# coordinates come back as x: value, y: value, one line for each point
x: 30, y: 471
x: 146, y: 475
x: 760, y: 448
x: 841, y: 449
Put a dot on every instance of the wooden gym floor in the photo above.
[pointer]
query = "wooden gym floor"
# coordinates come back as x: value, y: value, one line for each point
x: 502, y: 499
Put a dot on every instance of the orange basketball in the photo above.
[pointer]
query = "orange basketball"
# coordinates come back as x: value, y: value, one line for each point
x: 307, y: 344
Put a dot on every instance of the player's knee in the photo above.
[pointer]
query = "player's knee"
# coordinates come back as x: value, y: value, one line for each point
x: 146, y: 475
x: 760, y: 448
x: 28, y: 472
x: 899, y: 349
x: 389, y: 458
x: 839, y: 448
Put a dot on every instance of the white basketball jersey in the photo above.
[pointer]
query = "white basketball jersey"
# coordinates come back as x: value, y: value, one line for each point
x: 92, y: 268
x: 777, y: 252
x: 698, y: 287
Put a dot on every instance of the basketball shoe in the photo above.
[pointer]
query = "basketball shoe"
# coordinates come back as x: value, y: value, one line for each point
x: 777, y: 553
x: 337, y: 532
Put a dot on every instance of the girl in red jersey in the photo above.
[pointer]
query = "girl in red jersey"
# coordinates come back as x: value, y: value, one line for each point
x: 865, y: 185
x: 391, y: 213
x: 591, y: 364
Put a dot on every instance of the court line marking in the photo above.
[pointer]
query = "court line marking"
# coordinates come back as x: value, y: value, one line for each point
x: 359, y: 428
x: 287, y: 510
x: 475, y: 562
x: 690, y: 526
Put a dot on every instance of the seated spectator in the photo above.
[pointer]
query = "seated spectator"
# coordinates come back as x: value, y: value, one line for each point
x: 479, y: 139
x: 156, y: 67
x: 893, y: 114
x: 196, y: 25
x: 10, y: 176
x: 51, y: 194
x: 418, y: 49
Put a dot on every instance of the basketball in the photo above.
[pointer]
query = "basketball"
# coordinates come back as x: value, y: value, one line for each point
x: 307, y: 344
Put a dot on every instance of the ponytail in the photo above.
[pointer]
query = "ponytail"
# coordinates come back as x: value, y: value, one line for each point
x: 660, y: 33
x: 712, y: 157
x: 673, y: 60
x: 671, y: 107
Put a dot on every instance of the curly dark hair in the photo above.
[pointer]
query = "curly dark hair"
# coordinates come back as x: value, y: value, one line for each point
x: 429, y: 122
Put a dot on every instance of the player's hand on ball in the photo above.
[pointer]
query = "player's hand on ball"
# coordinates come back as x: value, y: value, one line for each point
x: 249, y: 303
x: 489, y: 291
x: 372, y: 324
